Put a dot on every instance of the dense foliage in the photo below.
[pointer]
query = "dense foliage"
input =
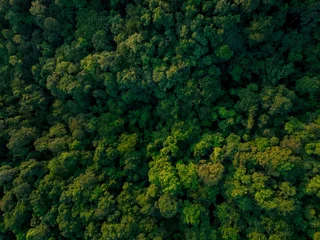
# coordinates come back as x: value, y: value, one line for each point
x: 158, y: 119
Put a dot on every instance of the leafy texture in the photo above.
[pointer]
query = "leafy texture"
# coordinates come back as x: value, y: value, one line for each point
x: 153, y: 119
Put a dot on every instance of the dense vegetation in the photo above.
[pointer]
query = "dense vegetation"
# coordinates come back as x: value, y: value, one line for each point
x: 158, y: 119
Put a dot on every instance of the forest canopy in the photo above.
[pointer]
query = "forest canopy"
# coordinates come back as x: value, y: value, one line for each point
x: 160, y: 119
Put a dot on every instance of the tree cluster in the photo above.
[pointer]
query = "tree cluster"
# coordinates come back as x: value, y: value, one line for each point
x: 160, y: 119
